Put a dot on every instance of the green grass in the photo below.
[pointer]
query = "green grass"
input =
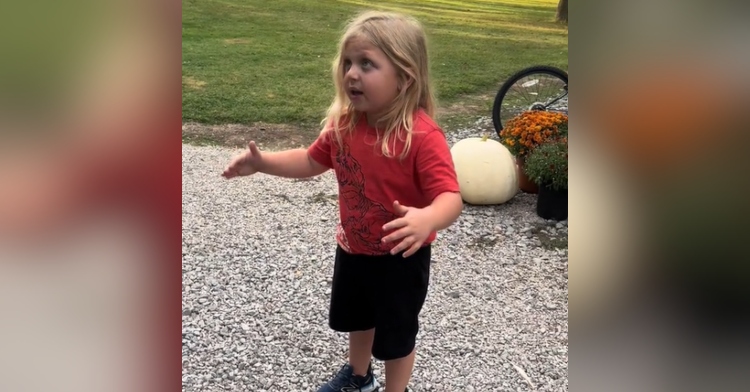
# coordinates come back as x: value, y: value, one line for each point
x: 246, y: 61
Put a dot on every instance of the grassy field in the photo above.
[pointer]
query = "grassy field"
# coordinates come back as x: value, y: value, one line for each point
x: 253, y: 61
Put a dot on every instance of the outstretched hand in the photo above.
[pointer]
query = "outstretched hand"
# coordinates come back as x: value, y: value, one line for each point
x: 414, y: 226
x: 244, y: 164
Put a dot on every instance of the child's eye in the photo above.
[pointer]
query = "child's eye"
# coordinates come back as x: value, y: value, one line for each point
x: 347, y: 65
x: 367, y: 63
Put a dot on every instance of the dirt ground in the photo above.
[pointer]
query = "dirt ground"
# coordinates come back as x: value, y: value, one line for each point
x: 266, y: 136
x: 276, y: 137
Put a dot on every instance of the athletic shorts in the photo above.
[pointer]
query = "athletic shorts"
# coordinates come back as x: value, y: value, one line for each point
x: 382, y: 292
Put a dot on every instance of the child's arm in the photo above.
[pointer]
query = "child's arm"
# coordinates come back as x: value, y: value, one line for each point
x: 416, y: 224
x: 438, y: 181
x: 295, y: 163
x: 290, y: 163
x: 444, y: 210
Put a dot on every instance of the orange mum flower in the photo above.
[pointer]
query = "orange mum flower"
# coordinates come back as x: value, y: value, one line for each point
x: 531, y: 128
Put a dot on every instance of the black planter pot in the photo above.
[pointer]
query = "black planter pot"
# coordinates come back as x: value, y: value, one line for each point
x: 552, y: 204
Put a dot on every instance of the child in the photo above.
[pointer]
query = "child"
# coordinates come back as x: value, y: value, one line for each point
x: 397, y: 188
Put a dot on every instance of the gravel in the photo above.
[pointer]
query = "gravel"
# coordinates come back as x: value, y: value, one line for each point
x: 257, y: 267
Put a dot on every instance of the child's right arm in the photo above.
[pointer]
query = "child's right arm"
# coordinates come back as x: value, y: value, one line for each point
x: 290, y: 163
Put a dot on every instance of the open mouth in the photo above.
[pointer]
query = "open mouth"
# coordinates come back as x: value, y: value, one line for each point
x: 353, y: 92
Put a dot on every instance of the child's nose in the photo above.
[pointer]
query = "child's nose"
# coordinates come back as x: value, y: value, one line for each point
x: 352, y: 73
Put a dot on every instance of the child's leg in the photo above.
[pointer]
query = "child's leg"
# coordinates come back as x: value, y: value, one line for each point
x: 398, y: 373
x: 360, y: 350
x: 404, y: 289
x: 352, y: 302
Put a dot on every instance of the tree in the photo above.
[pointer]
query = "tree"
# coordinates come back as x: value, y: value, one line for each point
x: 562, y: 11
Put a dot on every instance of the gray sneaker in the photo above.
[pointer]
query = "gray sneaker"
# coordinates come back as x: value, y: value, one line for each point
x: 346, y: 381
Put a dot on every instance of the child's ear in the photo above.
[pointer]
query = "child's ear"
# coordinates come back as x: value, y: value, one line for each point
x: 405, y: 83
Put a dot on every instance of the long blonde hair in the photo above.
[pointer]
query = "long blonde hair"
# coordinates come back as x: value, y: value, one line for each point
x: 403, y: 41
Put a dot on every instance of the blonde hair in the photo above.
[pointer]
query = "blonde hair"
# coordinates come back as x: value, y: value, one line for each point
x: 403, y: 41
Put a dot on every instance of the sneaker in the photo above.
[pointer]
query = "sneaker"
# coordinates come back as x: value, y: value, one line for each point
x: 346, y: 381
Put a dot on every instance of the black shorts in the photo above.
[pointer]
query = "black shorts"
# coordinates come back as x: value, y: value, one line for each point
x: 382, y: 292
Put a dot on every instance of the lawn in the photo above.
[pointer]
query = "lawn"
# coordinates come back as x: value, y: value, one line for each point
x: 248, y: 61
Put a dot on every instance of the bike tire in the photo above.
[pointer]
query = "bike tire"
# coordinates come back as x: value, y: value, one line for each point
x: 512, y: 80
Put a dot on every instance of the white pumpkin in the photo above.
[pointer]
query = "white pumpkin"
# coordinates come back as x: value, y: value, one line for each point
x: 486, y: 171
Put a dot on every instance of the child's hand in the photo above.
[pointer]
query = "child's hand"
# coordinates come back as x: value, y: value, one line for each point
x: 245, y: 164
x: 414, y: 227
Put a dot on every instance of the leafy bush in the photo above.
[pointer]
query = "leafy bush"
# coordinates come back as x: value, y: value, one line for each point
x: 547, y: 164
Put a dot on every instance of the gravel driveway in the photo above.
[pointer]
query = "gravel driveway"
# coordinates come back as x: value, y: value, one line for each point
x: 257, y: 265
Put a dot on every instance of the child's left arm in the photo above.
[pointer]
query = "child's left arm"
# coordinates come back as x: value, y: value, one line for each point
x: 416, y: 224
x: 438, y: 182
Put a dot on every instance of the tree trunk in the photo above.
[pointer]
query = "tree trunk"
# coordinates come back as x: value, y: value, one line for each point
x: 562, y: 11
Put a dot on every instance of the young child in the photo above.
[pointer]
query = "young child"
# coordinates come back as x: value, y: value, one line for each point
x: 397, y: 188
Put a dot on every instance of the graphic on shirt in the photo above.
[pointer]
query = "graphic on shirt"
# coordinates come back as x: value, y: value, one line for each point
x: 363, y: 217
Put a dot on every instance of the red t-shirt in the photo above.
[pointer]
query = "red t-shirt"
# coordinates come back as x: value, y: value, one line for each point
x: 369, y: 182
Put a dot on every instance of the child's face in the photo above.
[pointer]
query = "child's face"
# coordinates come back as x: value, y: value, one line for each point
x: 370, y: 79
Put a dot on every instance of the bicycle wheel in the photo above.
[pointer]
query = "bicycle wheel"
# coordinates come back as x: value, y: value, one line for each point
x: 538, y: 87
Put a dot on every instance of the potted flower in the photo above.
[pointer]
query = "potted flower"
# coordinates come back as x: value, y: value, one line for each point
x: 528, y: 130
x: 547, y: 165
